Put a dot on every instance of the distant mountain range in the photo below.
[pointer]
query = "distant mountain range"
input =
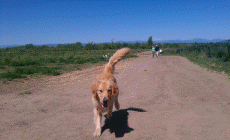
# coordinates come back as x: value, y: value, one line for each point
x: 225, y: 41
x: 198, y: 40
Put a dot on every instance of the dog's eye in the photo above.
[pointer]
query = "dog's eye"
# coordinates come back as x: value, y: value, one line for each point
x: 100, y: 90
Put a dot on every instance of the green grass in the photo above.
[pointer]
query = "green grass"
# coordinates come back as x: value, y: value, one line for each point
x: 26, y: 92
x: 212, y: 58
x: 15, y: 64
x: 213, y: 64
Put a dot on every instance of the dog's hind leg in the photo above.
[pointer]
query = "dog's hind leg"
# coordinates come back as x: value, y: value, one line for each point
x: 97, y: 120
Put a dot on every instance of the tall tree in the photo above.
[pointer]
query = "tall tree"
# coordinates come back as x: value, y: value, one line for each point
x: 112, y: 47
x: 150, y: 42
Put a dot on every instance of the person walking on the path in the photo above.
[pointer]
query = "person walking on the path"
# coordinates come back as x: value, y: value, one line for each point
x: 156, y: 50
x: 153, y: 51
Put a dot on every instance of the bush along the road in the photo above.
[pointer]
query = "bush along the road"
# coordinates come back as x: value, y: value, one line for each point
x: 215, y: 57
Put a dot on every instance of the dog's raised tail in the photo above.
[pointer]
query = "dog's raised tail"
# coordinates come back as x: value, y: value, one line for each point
x: 117, y: 56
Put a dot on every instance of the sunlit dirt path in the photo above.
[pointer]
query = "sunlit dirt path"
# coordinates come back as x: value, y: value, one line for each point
x: 160, y: 98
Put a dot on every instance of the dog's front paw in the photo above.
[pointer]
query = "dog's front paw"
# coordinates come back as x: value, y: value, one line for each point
x: 97, y: 132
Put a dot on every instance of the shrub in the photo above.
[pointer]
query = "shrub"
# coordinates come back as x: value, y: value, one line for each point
x: 70, y: 60
x: 50, y: 71
x: 227, y: 58
x: 51, y: 60
x: 17, y: 63
x: 81, y: 61
x: 62, y: 60
x: 220, y: 54
x: 7, y: 61
x: 11, y: 75
x: 27, y: 62
x: 208, y: 52
x: 31, y: 62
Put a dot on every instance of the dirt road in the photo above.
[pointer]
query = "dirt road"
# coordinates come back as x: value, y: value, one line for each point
x: 166, y: 98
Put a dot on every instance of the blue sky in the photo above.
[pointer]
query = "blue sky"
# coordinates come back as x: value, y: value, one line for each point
x: 69, y: 21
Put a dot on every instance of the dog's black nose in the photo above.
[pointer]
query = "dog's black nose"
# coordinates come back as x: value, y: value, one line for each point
x: 105, y: 101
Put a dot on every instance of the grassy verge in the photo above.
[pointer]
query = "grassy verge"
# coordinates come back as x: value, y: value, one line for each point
x: 14, y: 65
x: 202, y: 58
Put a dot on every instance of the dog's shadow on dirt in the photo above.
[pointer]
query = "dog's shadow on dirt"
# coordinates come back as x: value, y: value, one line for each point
x: 119, y: 122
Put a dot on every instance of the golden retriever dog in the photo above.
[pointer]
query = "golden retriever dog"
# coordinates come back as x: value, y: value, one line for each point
x: 105, y: 90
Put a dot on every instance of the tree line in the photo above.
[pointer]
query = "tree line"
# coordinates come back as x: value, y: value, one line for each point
x: 93, y: 46
x: 79, y: 46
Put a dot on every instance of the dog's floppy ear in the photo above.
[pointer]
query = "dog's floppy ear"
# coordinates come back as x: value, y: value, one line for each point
x: 94, y: 88
x: 114, y: 89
